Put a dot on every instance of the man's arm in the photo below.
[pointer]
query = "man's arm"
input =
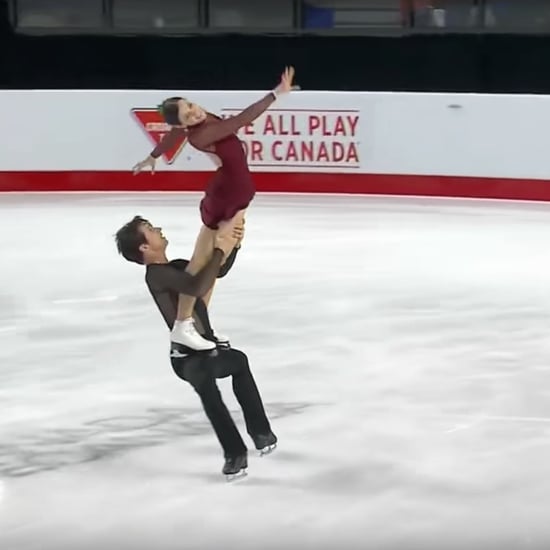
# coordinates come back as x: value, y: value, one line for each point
x: 165, y: 278
x: 226, y: 267
x: 214, y: 131
x: 200, y: 314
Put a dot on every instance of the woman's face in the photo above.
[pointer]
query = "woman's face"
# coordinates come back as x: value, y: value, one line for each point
x: 190, y: 113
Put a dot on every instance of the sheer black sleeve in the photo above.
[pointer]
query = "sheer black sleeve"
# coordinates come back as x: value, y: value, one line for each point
x: 201, y: 313
x: 226, y: 267
x: 165, y: 278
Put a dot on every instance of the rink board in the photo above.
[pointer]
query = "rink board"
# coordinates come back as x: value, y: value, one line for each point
x: 456, y: 145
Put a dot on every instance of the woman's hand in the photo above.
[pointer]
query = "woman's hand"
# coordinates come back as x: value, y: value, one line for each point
x: 149, y: 161
x: 286, y: 83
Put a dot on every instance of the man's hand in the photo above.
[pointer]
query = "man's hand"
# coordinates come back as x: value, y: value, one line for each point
x: 232, y: 229
x: 238, y: 232
x: 149, y: 161
x: 236, y: 223
x: 225, y: 241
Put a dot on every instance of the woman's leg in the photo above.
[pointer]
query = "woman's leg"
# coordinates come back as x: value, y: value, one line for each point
x: 184, y: 331
x: 229, y: 225
x: 225, y: 226
x: 202, y: 252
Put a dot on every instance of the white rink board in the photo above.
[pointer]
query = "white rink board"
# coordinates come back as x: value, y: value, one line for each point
x: 340, y: 132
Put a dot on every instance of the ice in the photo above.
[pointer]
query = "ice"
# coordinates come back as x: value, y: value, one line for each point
x: 400, y: 344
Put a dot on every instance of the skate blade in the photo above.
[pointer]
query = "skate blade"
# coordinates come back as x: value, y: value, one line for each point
x: 235, y: 477
x: 268, y: 450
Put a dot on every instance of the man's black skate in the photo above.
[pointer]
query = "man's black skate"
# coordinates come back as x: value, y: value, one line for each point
x: 235, y: 467
x: 266, y: 444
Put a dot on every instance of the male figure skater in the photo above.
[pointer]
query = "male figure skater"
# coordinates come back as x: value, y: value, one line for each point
x: 138, y: 241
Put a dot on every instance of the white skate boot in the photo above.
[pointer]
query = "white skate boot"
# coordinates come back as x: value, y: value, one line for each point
x: 222, y: 339
x: 186, y: 334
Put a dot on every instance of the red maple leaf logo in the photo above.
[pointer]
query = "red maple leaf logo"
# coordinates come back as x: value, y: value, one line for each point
x: 151, y: 122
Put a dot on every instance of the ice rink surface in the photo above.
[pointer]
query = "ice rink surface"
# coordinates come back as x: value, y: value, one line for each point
x: 401, y: 346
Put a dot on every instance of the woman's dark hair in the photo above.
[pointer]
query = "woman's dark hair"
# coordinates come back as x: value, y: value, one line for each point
x: 170, y: 109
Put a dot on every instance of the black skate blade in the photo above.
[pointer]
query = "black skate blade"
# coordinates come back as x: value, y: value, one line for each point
x: 236, y: 477
x: 268, y: 450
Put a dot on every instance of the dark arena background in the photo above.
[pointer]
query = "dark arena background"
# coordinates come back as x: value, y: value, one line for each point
x: 484, y: 46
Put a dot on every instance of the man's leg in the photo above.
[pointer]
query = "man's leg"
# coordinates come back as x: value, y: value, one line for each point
x: 199, y: 372
x: 235, y: 363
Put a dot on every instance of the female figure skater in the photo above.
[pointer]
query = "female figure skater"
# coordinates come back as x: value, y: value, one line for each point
x: 227, y: 194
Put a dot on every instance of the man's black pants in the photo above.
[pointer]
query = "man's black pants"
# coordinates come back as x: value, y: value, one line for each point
x: 201, y: 370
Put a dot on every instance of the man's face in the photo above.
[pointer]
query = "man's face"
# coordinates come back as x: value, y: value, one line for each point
x: 155, y: 240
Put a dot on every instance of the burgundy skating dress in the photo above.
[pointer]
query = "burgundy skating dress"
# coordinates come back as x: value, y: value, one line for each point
x: 231, y: 188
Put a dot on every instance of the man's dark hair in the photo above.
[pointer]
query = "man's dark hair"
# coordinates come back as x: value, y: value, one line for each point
x: 129, y: 238
x: 169, y: 110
